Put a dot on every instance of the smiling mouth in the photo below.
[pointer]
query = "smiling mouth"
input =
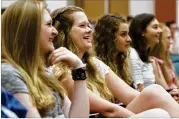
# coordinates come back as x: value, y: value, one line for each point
x: 51, y: 39
x: 127, y: 45
x: 88, y: 38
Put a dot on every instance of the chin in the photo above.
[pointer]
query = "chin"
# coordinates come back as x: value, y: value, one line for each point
x: 156, y: 42
x: 51, y: 49
x: 125, y: 51
x: 88, y: 46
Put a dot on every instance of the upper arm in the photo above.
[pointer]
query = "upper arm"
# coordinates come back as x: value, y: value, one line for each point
x: 66, y: 107
x: 26, y: 101
x: 119, y: 88
x: 13, y: 82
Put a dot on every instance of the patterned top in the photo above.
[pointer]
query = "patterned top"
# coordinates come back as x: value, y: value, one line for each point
x: 142, y: 73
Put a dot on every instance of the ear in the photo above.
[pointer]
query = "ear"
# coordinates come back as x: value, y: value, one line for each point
x: 143, y: 33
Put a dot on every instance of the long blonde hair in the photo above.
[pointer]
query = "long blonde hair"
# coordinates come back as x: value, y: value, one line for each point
x: 63, y: 22
x: 21, y: 27
x: 160, y: 52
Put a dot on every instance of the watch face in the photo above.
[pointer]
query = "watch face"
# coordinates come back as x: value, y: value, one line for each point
x: 79, y: 74
x: 84, y: 68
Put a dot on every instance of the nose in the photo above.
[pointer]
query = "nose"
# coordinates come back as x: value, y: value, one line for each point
x: 160, y: 30
x: 88, y: 30
x: 129, y: 38
x: 54, y: 31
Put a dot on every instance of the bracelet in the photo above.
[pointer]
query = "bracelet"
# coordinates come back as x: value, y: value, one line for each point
x: 79, y: 74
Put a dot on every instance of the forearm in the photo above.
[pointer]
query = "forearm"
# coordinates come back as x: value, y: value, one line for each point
x: 161, y: 81
x: 119, y: 111
x: 106, y: 108
x: 80, y: 101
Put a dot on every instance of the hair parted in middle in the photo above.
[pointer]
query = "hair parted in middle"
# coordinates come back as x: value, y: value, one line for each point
x: 104, y: 40
x: 137, y: 27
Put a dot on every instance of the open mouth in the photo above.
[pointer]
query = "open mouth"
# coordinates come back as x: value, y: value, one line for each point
x: 127, y: 45
x: 86, y: 37
x: 51, y: 39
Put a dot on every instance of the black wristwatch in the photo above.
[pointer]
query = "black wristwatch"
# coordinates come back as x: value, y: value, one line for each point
x: 79, y: 73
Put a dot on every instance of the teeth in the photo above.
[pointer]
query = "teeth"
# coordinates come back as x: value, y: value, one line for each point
x: 51, y: 40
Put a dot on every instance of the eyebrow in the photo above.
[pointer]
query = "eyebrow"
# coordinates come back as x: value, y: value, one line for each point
x: 123, y: 31
x: 155, y: 24
x: 84, y: 22
x: 49, y: 21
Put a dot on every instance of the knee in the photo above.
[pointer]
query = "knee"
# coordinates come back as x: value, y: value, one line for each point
x: 154, y: 93
x: 160, y: 113
x: 152, y: 113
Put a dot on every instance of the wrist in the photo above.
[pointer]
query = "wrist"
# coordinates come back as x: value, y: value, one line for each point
x: 79, y: 73
x: 79, y: 66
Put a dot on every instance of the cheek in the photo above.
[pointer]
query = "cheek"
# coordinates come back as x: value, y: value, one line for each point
x: 150, y: 33
x: 44, y: 34
x: 119, y: 45
x: 74, y: 34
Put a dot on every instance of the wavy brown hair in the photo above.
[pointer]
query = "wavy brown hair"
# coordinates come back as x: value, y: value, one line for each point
x: 63, y: 22
x: 21, y: 26
x: 104, y: 38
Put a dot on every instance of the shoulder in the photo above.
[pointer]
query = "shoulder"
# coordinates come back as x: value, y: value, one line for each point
x: 101, y: 66
x: 9, y: 71
x: 99, y: 63
x: 133, y: 54
x: 11, y: 79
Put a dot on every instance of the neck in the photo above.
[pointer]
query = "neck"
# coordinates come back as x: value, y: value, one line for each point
x: 148, y: 47
x: 80, y: 54
x: 164, y: 55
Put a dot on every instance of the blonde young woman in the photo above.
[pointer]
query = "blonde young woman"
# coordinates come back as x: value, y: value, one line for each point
x: 76, y: 34
x: 164, y: 68
x: 26, y: 38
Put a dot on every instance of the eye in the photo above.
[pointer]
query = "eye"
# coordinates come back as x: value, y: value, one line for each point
x: 49, y: 24
x: 82, y: 25
x: 155, y: 27
x: 123, y: 34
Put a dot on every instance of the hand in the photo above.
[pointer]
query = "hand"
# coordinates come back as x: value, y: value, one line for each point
x: 65, y: 56
x: 175, y: 94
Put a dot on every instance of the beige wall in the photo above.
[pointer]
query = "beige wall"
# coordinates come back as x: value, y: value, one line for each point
x: 119, y: 7
x: 94, y: 8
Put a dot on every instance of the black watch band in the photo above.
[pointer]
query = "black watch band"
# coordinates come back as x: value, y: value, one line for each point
x: 79, y: 74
